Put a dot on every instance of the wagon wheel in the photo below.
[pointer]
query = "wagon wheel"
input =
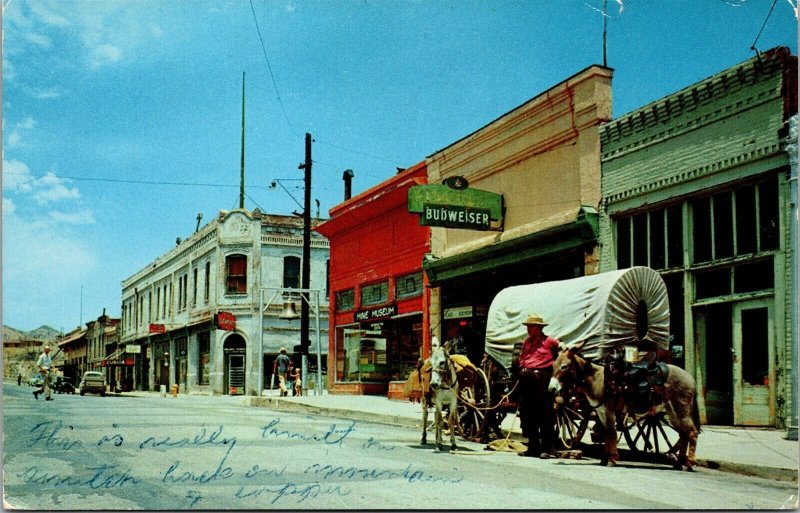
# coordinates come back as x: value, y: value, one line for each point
x: 572, y: 420
x: 472, y: 403
x: 649, y: 433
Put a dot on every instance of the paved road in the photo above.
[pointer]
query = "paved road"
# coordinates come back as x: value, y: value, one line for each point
x: 213, y: 453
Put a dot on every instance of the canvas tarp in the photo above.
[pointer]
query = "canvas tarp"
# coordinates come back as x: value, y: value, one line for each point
x: 601, y: 309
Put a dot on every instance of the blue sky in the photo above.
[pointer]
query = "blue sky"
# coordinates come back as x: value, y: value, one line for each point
x: 109, y: 105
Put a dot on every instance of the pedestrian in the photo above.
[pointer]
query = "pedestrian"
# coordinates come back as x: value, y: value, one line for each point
x: 298, y: 383
x: 19, y: 380
x: 44, y: 363
x: 535, y: 366
x: 281, y: 368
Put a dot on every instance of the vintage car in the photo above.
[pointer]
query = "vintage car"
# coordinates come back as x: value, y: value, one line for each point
x: 93, y: 382
x: 62, y: 385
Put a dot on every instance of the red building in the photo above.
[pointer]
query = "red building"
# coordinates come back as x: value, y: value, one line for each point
x: 379, y: 294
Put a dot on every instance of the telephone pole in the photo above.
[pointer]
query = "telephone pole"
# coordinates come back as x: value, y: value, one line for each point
x: 306, y: 265
x: 241, y: 181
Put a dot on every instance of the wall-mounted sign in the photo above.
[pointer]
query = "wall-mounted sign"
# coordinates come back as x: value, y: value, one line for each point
x: 225, y: 321
x: 454, y: 205
x: 158, y: 328
x: 459, y: 312
x: 118, y: 362
x: 454, y: 216
x: 133, y: 349
x: 372, y: 314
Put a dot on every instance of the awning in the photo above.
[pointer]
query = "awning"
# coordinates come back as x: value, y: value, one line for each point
x: 563, y: 238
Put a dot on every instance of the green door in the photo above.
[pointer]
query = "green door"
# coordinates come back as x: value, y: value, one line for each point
x: 753, y: 367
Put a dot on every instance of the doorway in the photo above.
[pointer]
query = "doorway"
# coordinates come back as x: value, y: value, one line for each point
x: 753, y: 369
x: 714, y: 334
x: 235, y: 351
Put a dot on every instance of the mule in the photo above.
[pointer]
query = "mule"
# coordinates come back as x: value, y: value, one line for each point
x: 679, y: 402
x: 443, y: 392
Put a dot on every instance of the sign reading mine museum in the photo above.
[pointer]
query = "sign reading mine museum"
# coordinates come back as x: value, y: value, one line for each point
x: 455, y: 216
x: 375, y: 313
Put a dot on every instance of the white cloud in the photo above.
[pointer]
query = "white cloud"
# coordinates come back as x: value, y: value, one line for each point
x: 84, y: 216
x: 27, y: 123
x: 9, y: 73
x: 52, y: 92
x: 8, y: 207
x: 156, y: 31
x: 16, y: 176
x: 13, y: 139
x: 104, y: 54
x: 39, y: 40
x: 47, y: 16
x: 51, y: 188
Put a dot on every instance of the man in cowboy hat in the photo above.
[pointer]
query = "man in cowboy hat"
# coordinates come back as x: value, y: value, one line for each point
x: 281, y: 368
x: 44, y: 364
x: 536, y: 402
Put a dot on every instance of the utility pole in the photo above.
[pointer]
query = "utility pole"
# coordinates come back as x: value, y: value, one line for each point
x: 306, y: 267
x: 605, y: 31
x: 241, y: 182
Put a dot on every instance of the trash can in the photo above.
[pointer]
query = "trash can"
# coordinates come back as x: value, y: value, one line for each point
x: 163, y: 390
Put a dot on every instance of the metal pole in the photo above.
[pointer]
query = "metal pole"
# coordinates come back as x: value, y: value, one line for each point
x: 306, y: 270
x: 791, y: 149
x: 259, y: 392
x: 241, y: 182
x: 319, y: 349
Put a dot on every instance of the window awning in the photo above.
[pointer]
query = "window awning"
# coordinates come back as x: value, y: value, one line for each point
x: 566, y: 237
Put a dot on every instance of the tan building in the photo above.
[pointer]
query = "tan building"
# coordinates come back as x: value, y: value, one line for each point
x: 543, y: 158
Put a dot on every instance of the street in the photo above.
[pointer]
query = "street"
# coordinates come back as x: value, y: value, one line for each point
x: 195, y: 452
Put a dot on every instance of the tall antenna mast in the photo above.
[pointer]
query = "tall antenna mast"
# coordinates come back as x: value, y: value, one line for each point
x: 241, y: 184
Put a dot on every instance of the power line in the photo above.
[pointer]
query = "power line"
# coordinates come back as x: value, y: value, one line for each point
x: 142, y: 182
x: 753, y: 46
x: 274, y: 85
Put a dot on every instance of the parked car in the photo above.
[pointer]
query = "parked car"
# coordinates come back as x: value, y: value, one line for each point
x: 93, y: 382
x: 63, y: 385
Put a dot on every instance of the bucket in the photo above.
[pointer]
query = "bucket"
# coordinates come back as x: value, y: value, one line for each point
x: 631, y: 354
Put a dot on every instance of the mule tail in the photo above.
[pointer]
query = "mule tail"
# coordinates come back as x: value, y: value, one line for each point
x: 696, y: 415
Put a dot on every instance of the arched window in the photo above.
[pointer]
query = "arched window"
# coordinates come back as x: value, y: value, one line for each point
x: 236, y: 268
x: 291, y: 272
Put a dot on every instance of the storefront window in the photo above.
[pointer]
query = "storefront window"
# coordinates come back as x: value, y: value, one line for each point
x: 204, y: 347
x: 409, y: 285
x: 345, y: 300
x: 375, y: 294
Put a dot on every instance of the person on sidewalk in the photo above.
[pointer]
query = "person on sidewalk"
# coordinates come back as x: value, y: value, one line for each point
x: 281, y: 368
x: 535, y: 368
x: 44, y: 363
x: 298, y: 383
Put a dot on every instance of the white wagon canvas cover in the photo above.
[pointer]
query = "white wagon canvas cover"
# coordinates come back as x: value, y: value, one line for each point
x: 608, y: 310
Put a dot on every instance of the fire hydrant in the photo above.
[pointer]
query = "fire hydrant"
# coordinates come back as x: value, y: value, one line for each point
x: 175, y: 390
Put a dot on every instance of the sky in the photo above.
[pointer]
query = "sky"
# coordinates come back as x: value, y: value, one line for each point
x: 122, y: 120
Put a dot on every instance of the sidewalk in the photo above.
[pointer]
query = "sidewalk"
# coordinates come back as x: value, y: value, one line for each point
x: 759, y: 452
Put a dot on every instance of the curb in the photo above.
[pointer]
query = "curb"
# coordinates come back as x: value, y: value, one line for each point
x: 772, y: 473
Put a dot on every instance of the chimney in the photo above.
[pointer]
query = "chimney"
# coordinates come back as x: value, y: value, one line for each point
x: 348, y: 181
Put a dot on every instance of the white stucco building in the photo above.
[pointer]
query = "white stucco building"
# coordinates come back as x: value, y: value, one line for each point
x: 173, y: 309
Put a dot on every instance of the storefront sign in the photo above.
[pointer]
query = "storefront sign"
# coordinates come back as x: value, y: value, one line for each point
x: 454, y: 205
x: 458, y: 312
x: 158, y: 328
x: 375, y: 313
x: 225, y: 321
x: 118, y: 362
x: 454, y: 216
x: 133, y: 349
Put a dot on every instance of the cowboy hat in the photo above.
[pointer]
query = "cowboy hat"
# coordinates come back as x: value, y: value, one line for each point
x: 534, y: 319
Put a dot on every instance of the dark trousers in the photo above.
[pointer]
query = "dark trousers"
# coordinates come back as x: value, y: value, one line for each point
x: 536, y: 409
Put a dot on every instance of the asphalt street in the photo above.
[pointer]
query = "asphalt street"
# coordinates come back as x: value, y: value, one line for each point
x: 195, y: 452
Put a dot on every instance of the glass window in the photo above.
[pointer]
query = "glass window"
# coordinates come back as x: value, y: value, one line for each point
x: 675, y: 236
x: 345, y: 300
x: 657, y: 256
x: 754, y: 276
x: 291, y: 272
x: 745, y: 220
x: 375, y: 294
x: 194, y: 286
x: 236, y: 267
x: 624, y: 243
x: 723, y: 225
x: 701, y: 210
x: 755, y: 346
x: 409, y: 285
x: 207, y: 284
x: 640, y: 239
x: 204, y: 346
x: 713, y: 283
x: 768, y: 214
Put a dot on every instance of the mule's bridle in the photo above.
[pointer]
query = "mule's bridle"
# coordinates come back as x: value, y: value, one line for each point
x: 449, y: 369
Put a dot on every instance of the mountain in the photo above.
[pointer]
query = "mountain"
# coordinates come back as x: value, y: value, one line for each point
x: 42, y: 333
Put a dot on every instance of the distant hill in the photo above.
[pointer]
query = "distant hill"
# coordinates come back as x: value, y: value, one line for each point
x: 42, y: 333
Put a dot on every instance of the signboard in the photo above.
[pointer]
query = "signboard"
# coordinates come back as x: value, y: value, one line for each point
x: 225, y: 321
x: 158, y: 328
x: 455, y: 205
x: 458, y: 312
x: 118, y: 362
x: 133, y: 349
x: 454, y: 216
x: 375, y: 313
